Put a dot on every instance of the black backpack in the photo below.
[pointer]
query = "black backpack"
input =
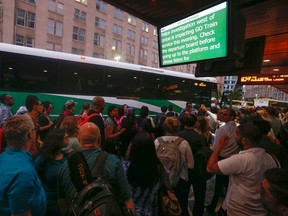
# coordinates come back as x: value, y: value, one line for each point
x: 97, y: 197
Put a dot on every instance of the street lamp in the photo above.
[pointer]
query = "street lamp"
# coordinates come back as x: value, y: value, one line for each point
x: 117, y: 58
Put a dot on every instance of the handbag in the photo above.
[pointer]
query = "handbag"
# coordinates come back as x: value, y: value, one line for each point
x: 168, y: 202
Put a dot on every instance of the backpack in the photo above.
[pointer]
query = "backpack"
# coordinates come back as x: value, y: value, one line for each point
x: 170, y: 156
x: 96, y: 198
x: 201, y: 158
x: 86, y: 118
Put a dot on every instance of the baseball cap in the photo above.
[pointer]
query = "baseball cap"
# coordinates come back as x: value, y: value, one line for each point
x: 70, y: 103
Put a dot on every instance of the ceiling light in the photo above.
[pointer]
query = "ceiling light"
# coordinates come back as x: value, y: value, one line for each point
x: 266, y: 60
x: 275, y: 69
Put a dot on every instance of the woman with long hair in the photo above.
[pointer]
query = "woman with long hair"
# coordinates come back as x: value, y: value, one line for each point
x: 145, y: 122
x: 202, y: 128
x: 48, y: 164
x: 112, y: 131
x: 144, y: 174
x: 45, y: 120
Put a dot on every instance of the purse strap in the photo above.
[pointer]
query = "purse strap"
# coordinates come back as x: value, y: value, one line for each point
x: 99, y: 164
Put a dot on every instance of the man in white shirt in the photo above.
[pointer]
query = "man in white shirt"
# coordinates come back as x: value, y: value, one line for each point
x: 227, y: 129
x: 245, y: 172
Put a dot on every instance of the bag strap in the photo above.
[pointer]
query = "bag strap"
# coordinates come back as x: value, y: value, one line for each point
x: 92, y: 115
x: 276, y: 161
x: 99, y: 164
x: 179, y: 140
x: 160, y: 140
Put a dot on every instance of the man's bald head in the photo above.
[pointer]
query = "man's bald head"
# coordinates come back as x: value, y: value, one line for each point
x: 89, y: 133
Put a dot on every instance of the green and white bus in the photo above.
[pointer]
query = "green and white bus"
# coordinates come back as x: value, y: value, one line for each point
x: 58, y: 77
x: 267, y: 102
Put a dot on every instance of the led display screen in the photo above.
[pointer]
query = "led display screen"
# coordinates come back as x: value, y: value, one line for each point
x: 198, y: 37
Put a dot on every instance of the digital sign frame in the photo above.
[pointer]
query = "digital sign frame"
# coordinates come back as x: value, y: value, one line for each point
x: 204, y: 35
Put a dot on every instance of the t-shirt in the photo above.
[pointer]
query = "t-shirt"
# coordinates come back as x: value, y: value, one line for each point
x: 245, y: 171
x: 47, y: 171
x: 20, y: 187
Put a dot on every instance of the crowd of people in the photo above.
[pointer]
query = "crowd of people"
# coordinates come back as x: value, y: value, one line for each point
x: 245, y: 150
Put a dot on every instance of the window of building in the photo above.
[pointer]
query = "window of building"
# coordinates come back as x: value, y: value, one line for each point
x: 155, y: 31
x: 19, y: 40
x: 144, y: 40
x: 55, y: 27
x: 54, y: 47
x: 78, y: 34
x: 80, y: 15
x: 60, y: 8
x: 31, y: 20
x: 117, y: 29
x: 131, y: 34
x: 77, y: 51
x: 155, y: 57
x: 119, y: 14
x: 25, y: 18
x: 116, y: 45
x: 101, y: 6
x: 82, y: 1
x: 98, y: 40
x: 20, y: 17
x: 145, y: 26
x: 29, y: 42
x: 155, y: 44
x: 98, y: 55
x: 30, y: 1
x: 52, y: 5
x: 24, y: 41
x: 132, y: 19
x: 100, y: 23
x: 55, y: 6
x: 1, y: 11
x: 143, y: 54
x: 130, y: 50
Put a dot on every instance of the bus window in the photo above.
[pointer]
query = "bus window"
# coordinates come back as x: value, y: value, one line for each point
x: 151, y: 86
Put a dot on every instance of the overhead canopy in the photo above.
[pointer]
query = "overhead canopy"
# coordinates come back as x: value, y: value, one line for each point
x: 263, y: 17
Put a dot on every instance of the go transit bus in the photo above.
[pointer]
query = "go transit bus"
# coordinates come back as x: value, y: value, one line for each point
x: 58, y: 77
x: 267, y: 102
